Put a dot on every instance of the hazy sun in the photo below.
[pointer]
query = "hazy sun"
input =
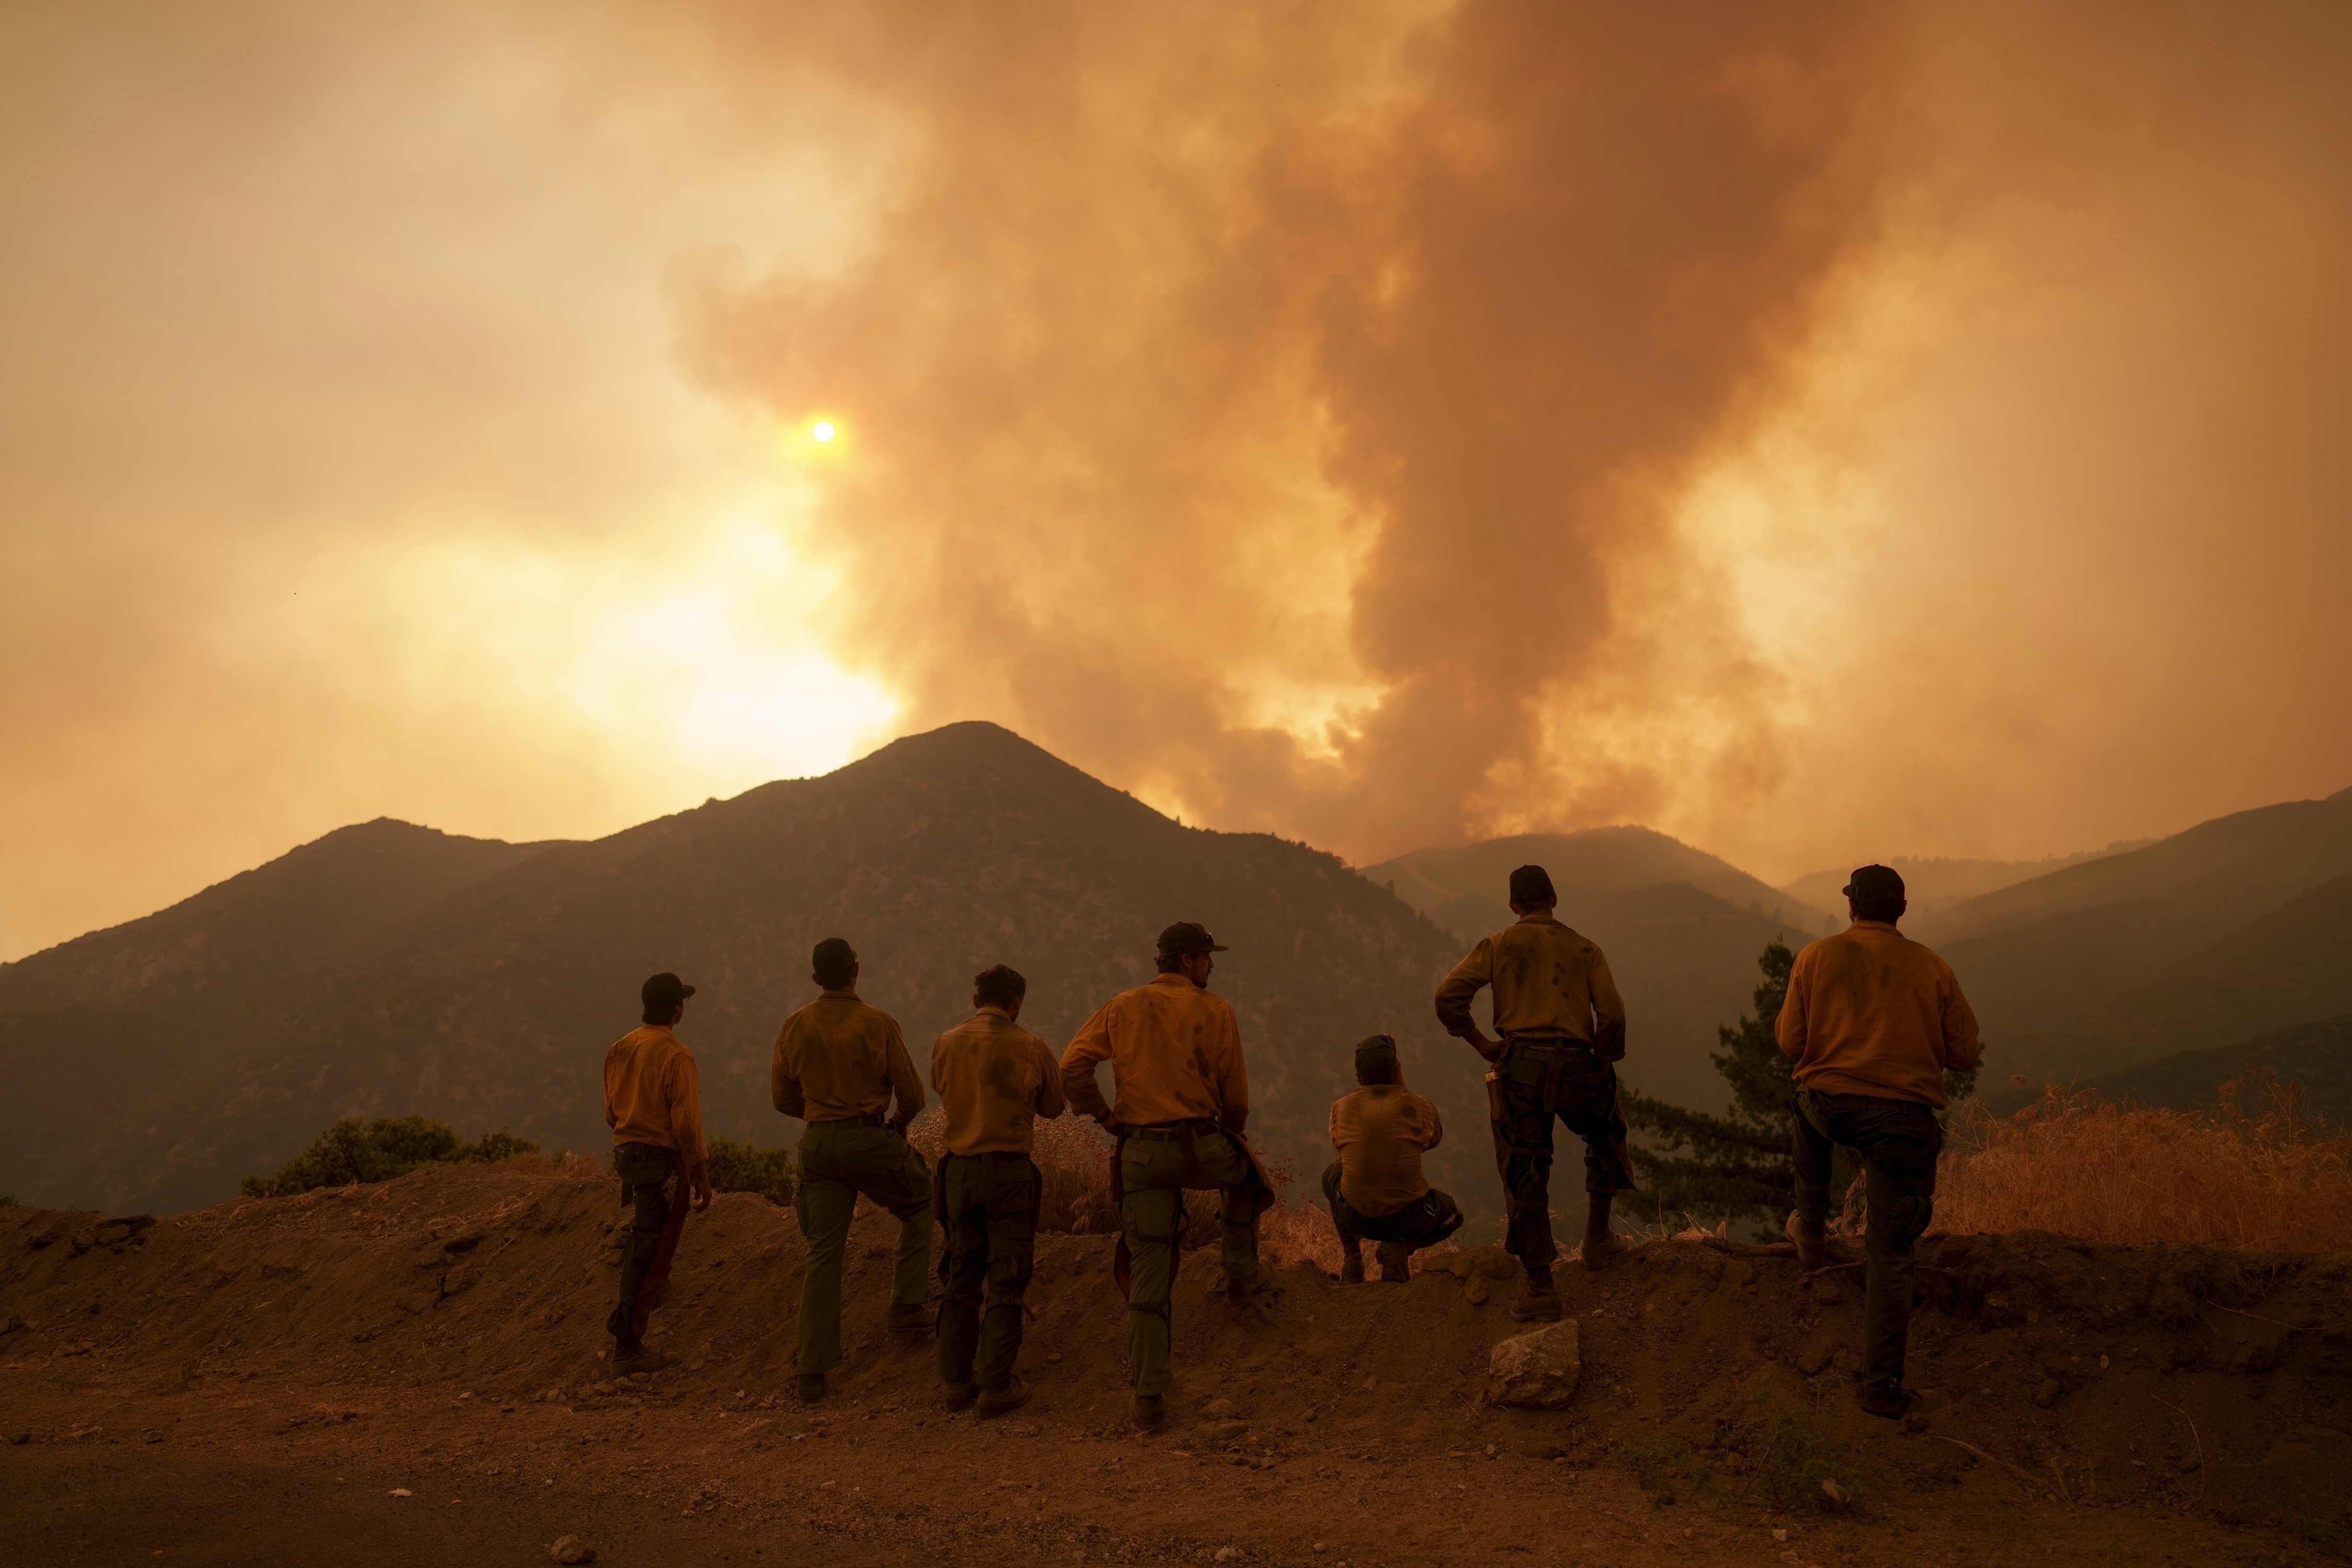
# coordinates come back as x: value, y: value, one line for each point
x: 824, y: 430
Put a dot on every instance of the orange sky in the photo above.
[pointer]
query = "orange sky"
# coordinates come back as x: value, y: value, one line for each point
x: 1822, y: 432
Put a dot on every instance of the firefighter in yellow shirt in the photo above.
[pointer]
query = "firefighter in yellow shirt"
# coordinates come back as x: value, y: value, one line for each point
x: 994, y: 1078
x: 1563, y: 1028
x: 653, y: 1103
x: 1375, y: 1187
x: 1175, y: 1050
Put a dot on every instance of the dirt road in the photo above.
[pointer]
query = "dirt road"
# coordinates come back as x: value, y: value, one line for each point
x: 258, y: 1384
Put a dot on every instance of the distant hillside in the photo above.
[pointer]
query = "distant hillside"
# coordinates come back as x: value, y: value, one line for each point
x: 1466, y: 889
x: 2289, y: 966
x: 2228, y: 870
x: 2316, y: 1057
x: 490, y: 1005
x: 1935, y: 884
x: 2155, y: 949
x: 1682, y: 929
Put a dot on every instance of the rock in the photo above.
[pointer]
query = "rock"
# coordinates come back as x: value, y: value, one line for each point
x: 1836, y: 1493
x: 1814, y: 1357
x: 2048, y: 1393
x: 1219, y: 1410
x: 1491, y: 1261
x: 402, y: 1491
x: 1225, y: 1432
x: 571, y: 1549
x: 112, y: 1235
x: 1827, y: 1293
x: 603, y: 1388
x: 82, y: 1241
x: 1475, y: 1292
x: 20, y: 1438
x: 1228, y: 1553
x: 418, y: 1301
x: 459, y: 1280
x: 1536, y: 1371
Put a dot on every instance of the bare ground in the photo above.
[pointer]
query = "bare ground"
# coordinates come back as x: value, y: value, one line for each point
x: 255, y: 1384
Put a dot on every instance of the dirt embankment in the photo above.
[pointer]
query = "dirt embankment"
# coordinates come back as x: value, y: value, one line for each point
x: 269, y: 1375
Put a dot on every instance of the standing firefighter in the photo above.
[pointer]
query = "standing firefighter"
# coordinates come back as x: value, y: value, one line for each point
x: 652, y: 1103
x: 1562, y: 1025
x: 994, y: 1078
x: 1872, y: 1021
x: 1375, y: 1187
x: 1175, y: 1052
x: 838, y: 1065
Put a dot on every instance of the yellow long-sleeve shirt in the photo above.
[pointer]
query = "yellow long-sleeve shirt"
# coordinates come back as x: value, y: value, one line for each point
x: 994, y: 1078
x: 836, y: 1058
x: 1870, y: 1010
x: 653, y: 1093
x: 1548, y: 981
x: 1175, y: 1052
x: 1382, y: 1130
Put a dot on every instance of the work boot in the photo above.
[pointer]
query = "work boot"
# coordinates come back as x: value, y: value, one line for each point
x: 1012, y: 1396
x: 1149, y: 1411
x: 1891, y: 1400
x: 912, y: 1325
x: 1396, y: 1263
x: 1538, y: 1300
x: 1601, y: 1250
x: 959, y: 1395
x: 643, y: 1360
x: 1351, y: 1264
x: 1813, y: 1246
x: 811, y: 1388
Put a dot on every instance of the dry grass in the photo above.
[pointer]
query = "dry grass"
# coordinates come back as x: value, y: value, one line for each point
x: 2261, y: 1180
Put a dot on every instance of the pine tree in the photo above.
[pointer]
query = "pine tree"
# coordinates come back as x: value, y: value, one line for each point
x: 1734, y: 1166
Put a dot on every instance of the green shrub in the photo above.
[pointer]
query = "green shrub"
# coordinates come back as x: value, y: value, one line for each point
x: 741, y: 1168
x: 352, y: 1150
x: 1793, y: 1457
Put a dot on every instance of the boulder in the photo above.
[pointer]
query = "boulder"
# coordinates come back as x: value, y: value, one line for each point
x: 1536, y: 1371
x: 571, y: 1549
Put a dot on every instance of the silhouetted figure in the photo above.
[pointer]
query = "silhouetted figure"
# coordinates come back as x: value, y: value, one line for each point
x: 994, y: 1078
x: 1375, y: 1187
x: 1175, y: 1052
x: 652, y: 1103
x: 1872, y: 1021
x: 1562, y: 1025
x: 838, y: 1065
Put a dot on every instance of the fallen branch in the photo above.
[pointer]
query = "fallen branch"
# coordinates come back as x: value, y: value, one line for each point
x: 1834, y: 1268
x: 2060, y: 1474
x: 1750, y: 1248
x: 2257, y: 1316
x: 1988, y: 1459
x: 2192, y: 1438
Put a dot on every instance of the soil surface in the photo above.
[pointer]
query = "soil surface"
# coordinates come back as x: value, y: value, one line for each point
x: 410, y: 1374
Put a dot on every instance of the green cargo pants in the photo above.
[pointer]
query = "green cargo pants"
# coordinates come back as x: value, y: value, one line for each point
x: 1898, y: 1140
x: 990, y: 1216
x: 647, y: 1174
x: 840, y: 1161
x: 1155, y: 1166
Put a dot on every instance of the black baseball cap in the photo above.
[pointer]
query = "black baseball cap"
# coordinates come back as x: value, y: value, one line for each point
x: 1531, y: 885
x: 1189, y: 936
x: 1375, y: 1051
x: 1874, y: 882
x: 664, y: 990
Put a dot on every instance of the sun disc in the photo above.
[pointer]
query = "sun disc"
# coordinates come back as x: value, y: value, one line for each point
x: 824, y: 430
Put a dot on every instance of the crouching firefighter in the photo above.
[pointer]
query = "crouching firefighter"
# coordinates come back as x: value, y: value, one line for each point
x: 1175, y: 1052
x: 1562, y: 1027
x: 1871, y: 1022
x: 652, y: 1103
x: 994, y: 1078
x: 1375, y: 1187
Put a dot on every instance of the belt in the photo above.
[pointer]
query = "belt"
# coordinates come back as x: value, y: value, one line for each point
x: 872, y: 1118
x: 1173, y: 1131
x: 1547, y: 1043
